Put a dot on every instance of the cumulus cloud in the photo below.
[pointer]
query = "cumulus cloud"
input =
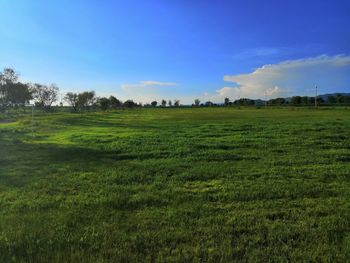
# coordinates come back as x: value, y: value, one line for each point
x: 291, y: 77
x: 148, y: 83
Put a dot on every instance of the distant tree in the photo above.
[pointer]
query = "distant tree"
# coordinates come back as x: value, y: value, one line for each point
x: 170, y: 103
x: 244, y: 102
x: 72, y: 99
x: 347, y: 100
x: 311, y: 100
x: 304, y: 100
x: 280, y: 101
x: 43, y: 95
x: 331, y: 100
x: 163, y: 103
x: 296, y: 100
x: 320, y: 100
x: 8, y: 75
x: 277, y: 101
x: 104, y: 103
x: 208, y: 104
x: 176, y: 103
x: 197, y: 102
x: 15, y: 93
x: 12, y: 91
x: 227, y: 101
x: 114, y: 102
x: 129, y: 104
x: 154, y: 103
x: 340, y: 99
x: 86, y: 99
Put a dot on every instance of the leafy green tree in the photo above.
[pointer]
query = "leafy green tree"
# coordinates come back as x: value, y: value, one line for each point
x: 244, y: 101
x: 197, y: 102
x: 176, y: 103
x: 227, y: 101
x: 104, y: 103
x: 154, y: 103
x: 115, y: 103
x: 331, y: 100
x: 163, y: 103
x: 86, y: 99
x: 296, y: 100
x: 170, y: 103
x: 347, y: 100
x: 12, y: 91
x: 304, y: 100
x: 129, y: 104
x: 311, y: 100
x: 340, y: 99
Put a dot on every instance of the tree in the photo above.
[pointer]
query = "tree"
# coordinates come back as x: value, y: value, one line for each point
x: 227, y: 101
x: 129, y: 104
x: 12, y: 91
x: 340, y: 99
x: 8, y: 76
x: 304, y: 100
x: 45, y: 96
x: 86, y: 99
x: 296, y: 100
x: 331, y: 100
x: 244, y: 101
x: 114, y: 102
x: 170, y: 103
x: 197, y: 102
x: 72, y: 99
x: 208, y: 104
x: 163, y: 103
x: 347, y: 100
x: 154, y: 103
x: 104, y: 103
x: 311, y: 100
x: 176, y: 103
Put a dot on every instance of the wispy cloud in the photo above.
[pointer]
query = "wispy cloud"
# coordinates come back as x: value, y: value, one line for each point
x: 290, y: 77
x: 148, y: 83
x: 259, y: 52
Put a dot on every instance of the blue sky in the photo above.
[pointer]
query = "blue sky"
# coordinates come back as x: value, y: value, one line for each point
x: 177, y: 49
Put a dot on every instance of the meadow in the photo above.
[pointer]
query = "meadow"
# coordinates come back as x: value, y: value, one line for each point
x: 176, y: 185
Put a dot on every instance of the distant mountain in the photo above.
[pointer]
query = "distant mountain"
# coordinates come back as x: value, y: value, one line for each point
x: 325, y: 96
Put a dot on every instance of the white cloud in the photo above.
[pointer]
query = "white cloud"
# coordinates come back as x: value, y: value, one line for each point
x: 330, y: 73
x: 148, y: 83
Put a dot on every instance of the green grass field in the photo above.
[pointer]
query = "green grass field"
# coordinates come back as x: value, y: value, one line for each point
x: 177, y: 185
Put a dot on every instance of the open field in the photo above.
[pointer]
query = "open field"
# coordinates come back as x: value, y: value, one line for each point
x: 170, y: 185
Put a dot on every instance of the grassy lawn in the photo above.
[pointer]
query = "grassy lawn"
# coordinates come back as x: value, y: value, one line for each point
x: 177, y: 185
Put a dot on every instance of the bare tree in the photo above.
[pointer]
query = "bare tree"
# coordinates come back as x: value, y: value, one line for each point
x: 44, y: 96
x: 72, y: 99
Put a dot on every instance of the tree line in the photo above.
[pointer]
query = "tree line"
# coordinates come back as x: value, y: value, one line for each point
x: 14, y: 92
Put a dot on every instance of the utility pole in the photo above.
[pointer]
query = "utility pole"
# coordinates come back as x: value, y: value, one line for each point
x: 33, y: 120
x: 315, y: 96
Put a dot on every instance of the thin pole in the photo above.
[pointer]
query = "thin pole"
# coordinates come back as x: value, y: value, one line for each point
x: 315, y: 96
x: 32, y: 120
